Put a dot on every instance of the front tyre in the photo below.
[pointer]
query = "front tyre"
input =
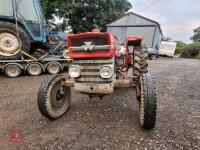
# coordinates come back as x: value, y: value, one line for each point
x: 148, y: 102
x: 53, y: 97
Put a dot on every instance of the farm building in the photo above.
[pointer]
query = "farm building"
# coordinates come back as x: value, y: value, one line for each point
x: 134, y: 24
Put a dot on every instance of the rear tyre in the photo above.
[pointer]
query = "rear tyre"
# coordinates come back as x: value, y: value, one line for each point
x: 10, y: 43
x: 140, y: 61
x: 53, y: 68
x: 53, y: 97
x: 148, y: 102
x: 34, y: 69
x: 13, y: 71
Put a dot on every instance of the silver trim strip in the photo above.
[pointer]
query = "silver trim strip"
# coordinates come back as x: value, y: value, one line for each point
x: 94, y: 61
x: 94, y: 48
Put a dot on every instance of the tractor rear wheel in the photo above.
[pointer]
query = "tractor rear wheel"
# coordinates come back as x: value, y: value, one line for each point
x: 140, y: 61
x: 148, y: 102
x: 11, y: 43
x: 53, y: 97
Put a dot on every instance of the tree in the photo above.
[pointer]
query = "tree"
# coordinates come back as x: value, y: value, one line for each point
x: 179, y: 47
x: 166, y: 38
x: 83, y: 15
x: 196, y: 36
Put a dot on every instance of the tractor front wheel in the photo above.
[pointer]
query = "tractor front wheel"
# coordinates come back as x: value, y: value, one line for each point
x: 148, y: 102
x: 53, y: 97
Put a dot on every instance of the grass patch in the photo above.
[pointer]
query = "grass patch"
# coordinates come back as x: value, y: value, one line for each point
x: 198, y: 56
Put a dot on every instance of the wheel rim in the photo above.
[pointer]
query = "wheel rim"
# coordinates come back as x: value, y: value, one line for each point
x: 13, y: 71
x: 153, y: 57
x: 34, y: 69
x: 58, y: 98
x: 9, y: 44
x: 53, y: 68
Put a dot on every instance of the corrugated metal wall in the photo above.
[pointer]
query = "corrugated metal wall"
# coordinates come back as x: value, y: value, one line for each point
x: 147, y: 32
x: 157, y: 40
x: 119, y: 32
x: 134, y: 25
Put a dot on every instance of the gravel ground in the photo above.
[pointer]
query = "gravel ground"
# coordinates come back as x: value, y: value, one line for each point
x: 111, y: 123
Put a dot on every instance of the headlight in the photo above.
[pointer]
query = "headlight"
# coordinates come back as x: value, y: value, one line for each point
x: 106, y: 72
x: 74, y: 71
x: 65, y: 53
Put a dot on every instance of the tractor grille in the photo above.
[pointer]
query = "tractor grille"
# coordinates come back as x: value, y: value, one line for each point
x: 89, y: 52
x: 94, y: 40
x: 90, y: 72
x: 96, y: 45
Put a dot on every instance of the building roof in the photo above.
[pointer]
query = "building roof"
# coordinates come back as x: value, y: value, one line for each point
x: 127, y: 21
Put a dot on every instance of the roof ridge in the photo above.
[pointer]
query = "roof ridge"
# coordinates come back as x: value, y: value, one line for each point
x: 140, y: 16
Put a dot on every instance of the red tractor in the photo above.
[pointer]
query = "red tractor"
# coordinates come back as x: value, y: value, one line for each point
x: 97, y: 69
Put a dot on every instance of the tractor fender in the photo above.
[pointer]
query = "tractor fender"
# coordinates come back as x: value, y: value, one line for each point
x: 22, y: 67
x: 54, y: 62
x: 43, y: 69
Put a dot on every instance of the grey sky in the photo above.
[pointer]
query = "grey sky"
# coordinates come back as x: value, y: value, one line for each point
x: 177, y: 18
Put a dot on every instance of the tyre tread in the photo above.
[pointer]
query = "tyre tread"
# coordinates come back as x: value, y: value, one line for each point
x: 140, y: 61
x: 43, y: 96
x: 150, y: 101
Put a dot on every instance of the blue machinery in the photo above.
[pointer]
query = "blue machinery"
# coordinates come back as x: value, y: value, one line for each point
x: 24, y: 31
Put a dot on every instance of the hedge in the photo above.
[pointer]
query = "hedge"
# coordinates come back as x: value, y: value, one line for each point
x: 191, y: 51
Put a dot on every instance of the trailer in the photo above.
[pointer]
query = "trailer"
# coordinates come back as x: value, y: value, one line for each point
x: 167, y: 48
x: 52, y: 64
